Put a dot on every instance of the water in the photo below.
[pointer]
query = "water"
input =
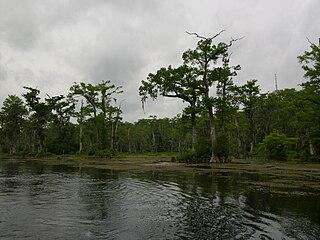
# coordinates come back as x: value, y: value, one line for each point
x: 39, y: 201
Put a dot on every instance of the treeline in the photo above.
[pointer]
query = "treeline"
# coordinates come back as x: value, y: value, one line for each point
x: 280, y: 125
x: 239, y: 121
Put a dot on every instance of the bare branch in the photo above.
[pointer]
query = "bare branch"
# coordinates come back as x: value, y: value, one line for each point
x: 234, y: 40
x: 195, y: 34
x: 223, y: 30
x: 311, y: 43
x: 206, y: 38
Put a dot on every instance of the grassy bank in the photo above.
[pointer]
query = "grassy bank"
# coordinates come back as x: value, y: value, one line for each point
x: 278, y: 176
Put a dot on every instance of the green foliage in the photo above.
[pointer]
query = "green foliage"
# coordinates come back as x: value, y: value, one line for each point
x: 238, y: 121
x: 62, y: 140
x: 222, y: 147
x: 202, y: 67
x: 13, y: 119
x: 309, y: 113
x: 106, y: 153
x: 101, y: 153
x: 275, y: 146
x: 202, y: 153
x: 171, y: 82
x: 92, y: 150
x: 105, y: 117
x: 40, y: 116
x: 311, y: 63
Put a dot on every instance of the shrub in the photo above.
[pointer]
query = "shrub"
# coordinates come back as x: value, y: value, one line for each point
x: 105, y: 153
x: 276, y: 146
x: 202, y: 153
x: 222, y: 147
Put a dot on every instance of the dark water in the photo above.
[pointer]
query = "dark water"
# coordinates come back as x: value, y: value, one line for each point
x: 40, y: 201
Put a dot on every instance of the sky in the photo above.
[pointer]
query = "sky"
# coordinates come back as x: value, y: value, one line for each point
x: 51, y: 44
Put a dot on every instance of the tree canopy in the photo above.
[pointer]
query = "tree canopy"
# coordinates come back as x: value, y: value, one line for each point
x: 222, y: 120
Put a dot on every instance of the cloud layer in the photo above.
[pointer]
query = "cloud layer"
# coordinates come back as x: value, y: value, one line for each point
x: 52, y: 44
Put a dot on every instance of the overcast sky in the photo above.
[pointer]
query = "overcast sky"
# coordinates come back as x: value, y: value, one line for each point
x: 50, y: 44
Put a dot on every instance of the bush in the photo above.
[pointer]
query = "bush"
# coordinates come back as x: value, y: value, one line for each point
x: 222, y: 147
x: 106, y: 153
x: 276, y: 146
x: 203, y: 150
x: 202, y: 153
x: 91, y: 150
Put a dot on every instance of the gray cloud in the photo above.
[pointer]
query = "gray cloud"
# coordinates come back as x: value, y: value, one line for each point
x: 3, y: 71
x: 19, y: 24
x: 51, y: 44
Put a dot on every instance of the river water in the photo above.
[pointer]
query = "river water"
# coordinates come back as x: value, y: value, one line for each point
x: 41, y: 201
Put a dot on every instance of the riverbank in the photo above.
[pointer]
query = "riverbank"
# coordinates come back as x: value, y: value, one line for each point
x: 293, y: 177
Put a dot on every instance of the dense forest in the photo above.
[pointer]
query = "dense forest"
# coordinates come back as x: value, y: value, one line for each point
x: 222, y: 120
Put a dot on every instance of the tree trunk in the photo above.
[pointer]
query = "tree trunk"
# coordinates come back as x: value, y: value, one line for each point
x: 239, y: 138
x: 104, y: 133
x: 194, y: 129
x: 33, y: 147
x: 115, y: 135
x: 213, y: 158
x: 80, y: 138
x: 311, y: 148
x: 96, y: 125
x: 13, y: 149
x: 129, y: 143
x: 112, y: 135
x: 40, y: 140
x: 154, y: 142
x: 251, y: 130
x: 80, y: 121
x: 213, y: 138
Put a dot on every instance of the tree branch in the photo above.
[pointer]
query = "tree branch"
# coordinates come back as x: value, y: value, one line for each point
x: 206, y: 38
x: 234, y: 40
x: 312, y: 100
x: 177, y: 96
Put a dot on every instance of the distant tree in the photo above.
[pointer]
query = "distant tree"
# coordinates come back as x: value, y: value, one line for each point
x: 225, y: 105
x: 225, y: 101
x: 277, y: 111
x: 63, y: 109
x: 13, y: 117
x: 310, y: 61
x: 40, y: 114
x: 99, y: 98
x: 111, y: 114
x: 310, y: 97
x: 81, y: 116
x: 61, y: 130
x: 89, y: 92
x: 249, y: 94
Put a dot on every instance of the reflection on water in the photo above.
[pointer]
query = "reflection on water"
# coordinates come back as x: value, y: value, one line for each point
x: 59, y: 202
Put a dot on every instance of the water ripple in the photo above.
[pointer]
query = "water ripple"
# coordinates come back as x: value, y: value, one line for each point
x: 58, y: 204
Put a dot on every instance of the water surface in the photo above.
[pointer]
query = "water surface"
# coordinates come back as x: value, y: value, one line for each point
x: 43, y: 201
